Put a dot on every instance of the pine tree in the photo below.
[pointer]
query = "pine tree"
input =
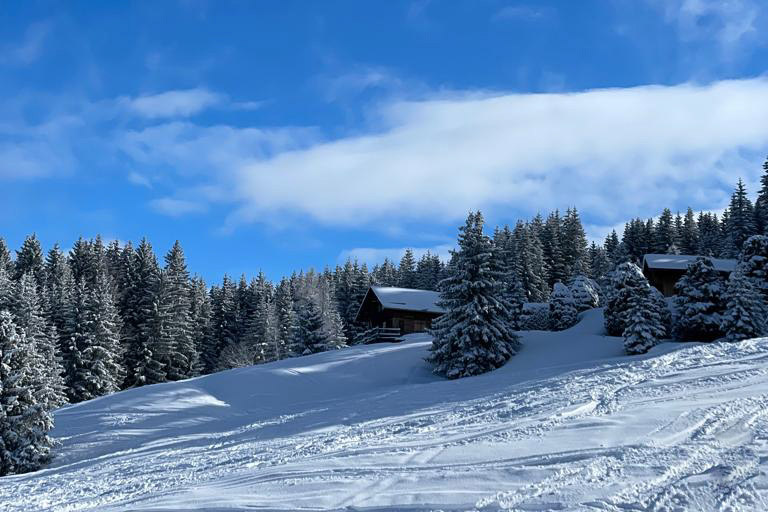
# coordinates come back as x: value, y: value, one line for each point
x: 30, y: 319
x: 643, y: 325
x: 562, y: 308
x: 385, y: 274
x: 182, y: 358
x: 599, y: 263
x: 407, y: 270
x: 574, y: 245
x: 710, y: 238
x: 761, y: 204
x: 623, y: 281
x: 100, y: 372
x: 476, y: 334
x: 664, y: 235
x: 585, y: 293
x: 200, y: 317
x: 428, y: 271
x: 24, y: 422
x: 689, y: 234
x: 6, y: 291
x: 740, y: 224
x: 507, y: 263
x: 144, y: 350
x: 745, y: 311
x: 611, y: 246
x: 5, y: 257
x: 551, y: 247
x: 753, y: 263
x: 286, y: 319
x: 532, y: 268
x: 30, y: 259
x: 311, y: 337
x: 699, y: 302
x: 223, y: 323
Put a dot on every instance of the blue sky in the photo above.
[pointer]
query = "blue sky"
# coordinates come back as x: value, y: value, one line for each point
x: 284, y: 135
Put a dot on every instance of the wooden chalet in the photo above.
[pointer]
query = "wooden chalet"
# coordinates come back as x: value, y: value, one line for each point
x: 664, y: 270
x: 399, y: 310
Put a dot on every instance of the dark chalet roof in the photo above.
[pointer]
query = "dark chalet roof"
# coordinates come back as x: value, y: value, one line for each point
x: 681, y: 262
x: 405, y: 299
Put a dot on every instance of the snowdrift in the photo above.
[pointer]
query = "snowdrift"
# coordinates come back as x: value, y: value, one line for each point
x: 569, y: 424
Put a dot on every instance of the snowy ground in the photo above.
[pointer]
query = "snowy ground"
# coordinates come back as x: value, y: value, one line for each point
x: 568, y: 424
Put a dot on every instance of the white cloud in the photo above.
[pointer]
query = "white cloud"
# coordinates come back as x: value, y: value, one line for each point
x: 180, y: 103
x: 372, y: 256
x: 521, y: 13
x: 139, y: 179
x: 731, y: 23
x: 614, y: 153
x: 30, y: 48
x: 177, y: 207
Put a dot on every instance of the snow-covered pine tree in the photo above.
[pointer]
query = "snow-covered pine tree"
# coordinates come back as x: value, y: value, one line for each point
x: 551, y: 247
x: 533, y: 274
x: 753, y: 263
x: 621, y: 284
x: 24, y: 421
x: 311, y: 337
x: 599, y: 263
x: 30, y: 259
x: 761, y: 204
x: 611, y: 246
x: 30, y: 317
x: 200, y: 316
x: 476, y: 334
x: 740, y: 224
x: 223, y: 323
x: 574, y: 245
x: 664, y: 235
x: 144, y: 350
x: 710, y: 239
x: 428, y: 271
x: 385, y: 274
x: 689, y: 234
x: 745, y: 313
x: 6, y: 290
x: 643, y: 323
x: 699, y: 302
x: 562, y: 308
x: 585, y: 293
x: 100, y: 372
x: 286, y: 319
x: 329, y: 311
x: 406, y: 271
x: 5, y: 257
x: 507, y: 261
x: 182, y: 357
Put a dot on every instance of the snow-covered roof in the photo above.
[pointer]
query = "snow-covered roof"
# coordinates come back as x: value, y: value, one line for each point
x: 681, y: 262
x: 408, y: 299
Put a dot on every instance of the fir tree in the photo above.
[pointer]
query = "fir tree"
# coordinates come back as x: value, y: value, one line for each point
x: 689, y: 234
x: 740, y: 223
x: 24, y: 421
x: 710, y: 238
x: 599, y: 263
x: 428, y: 271
x: 585, y: 293
x: 181, y: 358
x: 532, y: 268
x: 611, y: 246
x: 623, y: 281
x: 407, y: 270
x: 699, y: 302
x: 144, y: 351
x: 664, y: 235
x: 551, y: 247
x: 5, y: 257
x: 643, y: 323
x: 753, y: 263
x: 286, y: 319
x: 476, y: 334
x: 574, y: 245
x: 30, y: 319
x: 200, y: 317
x: 29, y: 259
x: 745, y: 311
x: 311, y: 337
x: 761, y: 204
x: 223, y: 323
x: 385, y: 274
x: 562, y: 308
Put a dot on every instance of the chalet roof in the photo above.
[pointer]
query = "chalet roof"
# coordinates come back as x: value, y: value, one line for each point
x: 681, y: 262
x: 408, y: 299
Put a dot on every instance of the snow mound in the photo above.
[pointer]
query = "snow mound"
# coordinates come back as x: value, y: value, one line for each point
x: 568, y: 424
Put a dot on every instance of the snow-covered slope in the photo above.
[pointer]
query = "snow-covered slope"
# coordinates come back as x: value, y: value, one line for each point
x: 569, y: 424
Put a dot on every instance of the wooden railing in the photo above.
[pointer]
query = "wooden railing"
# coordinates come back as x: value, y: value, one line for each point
x: 380, y: 335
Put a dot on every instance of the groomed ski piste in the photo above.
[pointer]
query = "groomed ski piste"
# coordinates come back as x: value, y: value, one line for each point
x: 570, y: 423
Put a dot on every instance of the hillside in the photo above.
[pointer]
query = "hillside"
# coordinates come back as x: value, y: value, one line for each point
x: 568, y: 424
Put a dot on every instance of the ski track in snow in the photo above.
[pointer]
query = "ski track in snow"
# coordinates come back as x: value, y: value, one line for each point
x: 568, y: 424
